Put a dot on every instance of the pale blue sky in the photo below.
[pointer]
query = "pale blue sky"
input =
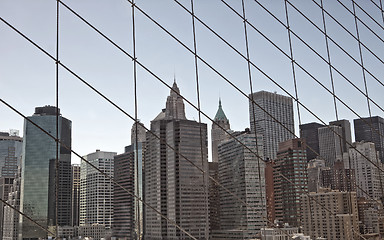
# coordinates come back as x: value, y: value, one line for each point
x: 27, y: 76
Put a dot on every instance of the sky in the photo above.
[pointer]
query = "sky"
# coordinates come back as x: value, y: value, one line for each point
x: 27, y: 76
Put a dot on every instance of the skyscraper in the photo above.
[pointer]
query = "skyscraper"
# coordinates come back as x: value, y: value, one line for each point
x: 37, y: 199
x: 127, y: 210
x: 242, y: 173
x: 218, y: 135
x: 281, y: 108
x: 173, y: 185
x: 10, y: 156
x: 309, y: 133
x: 96, y: 190
x: 364, y: 132
x: 346, y: 140
x: 290, y: 180
x: 330, y: 144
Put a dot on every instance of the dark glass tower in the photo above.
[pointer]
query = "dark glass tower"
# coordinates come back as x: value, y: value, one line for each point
x: 363, y: 132
x: 309, y: 133
x: 38, y: 173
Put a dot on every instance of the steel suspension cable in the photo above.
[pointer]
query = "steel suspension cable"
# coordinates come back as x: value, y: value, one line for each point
x: 366, y: 13
x: 57, y: 171
x: 253, y: 110
x: 205, y: 187
x: 136, y: 154
x: 103, y: 96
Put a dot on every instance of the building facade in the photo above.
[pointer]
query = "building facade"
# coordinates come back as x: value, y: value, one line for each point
x: 96, y: 190
x: 75, y: 200
x: 10, y: 157
x: 242, y: 172
x: 330, y: 144
x: 37, y: 198
x: 290, y: 181
x: 340, y: 222
x: 173, y: 186
x: 281, y: 109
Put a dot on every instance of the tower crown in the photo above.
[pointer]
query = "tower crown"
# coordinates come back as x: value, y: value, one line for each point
x: 220, y: 115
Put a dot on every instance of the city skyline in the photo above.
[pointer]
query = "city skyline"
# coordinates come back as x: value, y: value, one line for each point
x: 86, y: 53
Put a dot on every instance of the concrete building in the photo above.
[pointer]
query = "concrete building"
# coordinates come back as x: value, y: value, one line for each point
x: 330, y: 144
x: 96, y: 190
x: 242, y: 173
x: 281, y: 108
x: 309, y: 133
x: 364, y: 132
x: 340, y: 222
x: 270, y: 192
x: 38, y: 176
x: 75, y: 199
x: 368, y: 177
x: 290, y: 181
x: 173, y: 185
x: 10, y: 156
x: 315, y: 168
x: 128, y: 210
x: 218, y: 135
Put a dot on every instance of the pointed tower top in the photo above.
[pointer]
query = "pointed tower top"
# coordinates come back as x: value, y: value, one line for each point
x: 220, y: 115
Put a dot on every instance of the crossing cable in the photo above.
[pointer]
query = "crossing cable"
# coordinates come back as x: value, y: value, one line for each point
x: 26, y: 216
x: 212, y: 68
x: 380, y: 8
x: 362, y: 22
x: 205, y: 187
x: 125, y: 113
x: 155, y: 77
x: 253, y: 108
x: 128, y: 115
x: 226, y: 42
x: 57, y: 124
x: 341, y: 48
x: 366, y: 13
x: 292, y: 60
x: 321, y: 57
x: 136, y: 154
x: 94, y: 167
x: 315, y: 79
x: 365, y: 86
x: 329, y: 58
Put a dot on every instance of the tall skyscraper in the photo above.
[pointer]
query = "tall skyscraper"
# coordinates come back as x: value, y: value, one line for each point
x: 309, y: 133
x: 218, y: 135
x: 330, y: 144
x: 10, y: 156
x: 242, y: 173
x: 37, y: 198
x: 96, y: 190
x: 127, y: 210
x: 346, y: 140
x: 75, y: 200
x: 341, y: 222
x: 173, y: 185
x: 290, y: 181
x: 281, y: 108
x: 363, y: 132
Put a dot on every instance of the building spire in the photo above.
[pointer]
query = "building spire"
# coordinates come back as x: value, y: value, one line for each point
x: 220, y: 115
x: 175, y: 105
